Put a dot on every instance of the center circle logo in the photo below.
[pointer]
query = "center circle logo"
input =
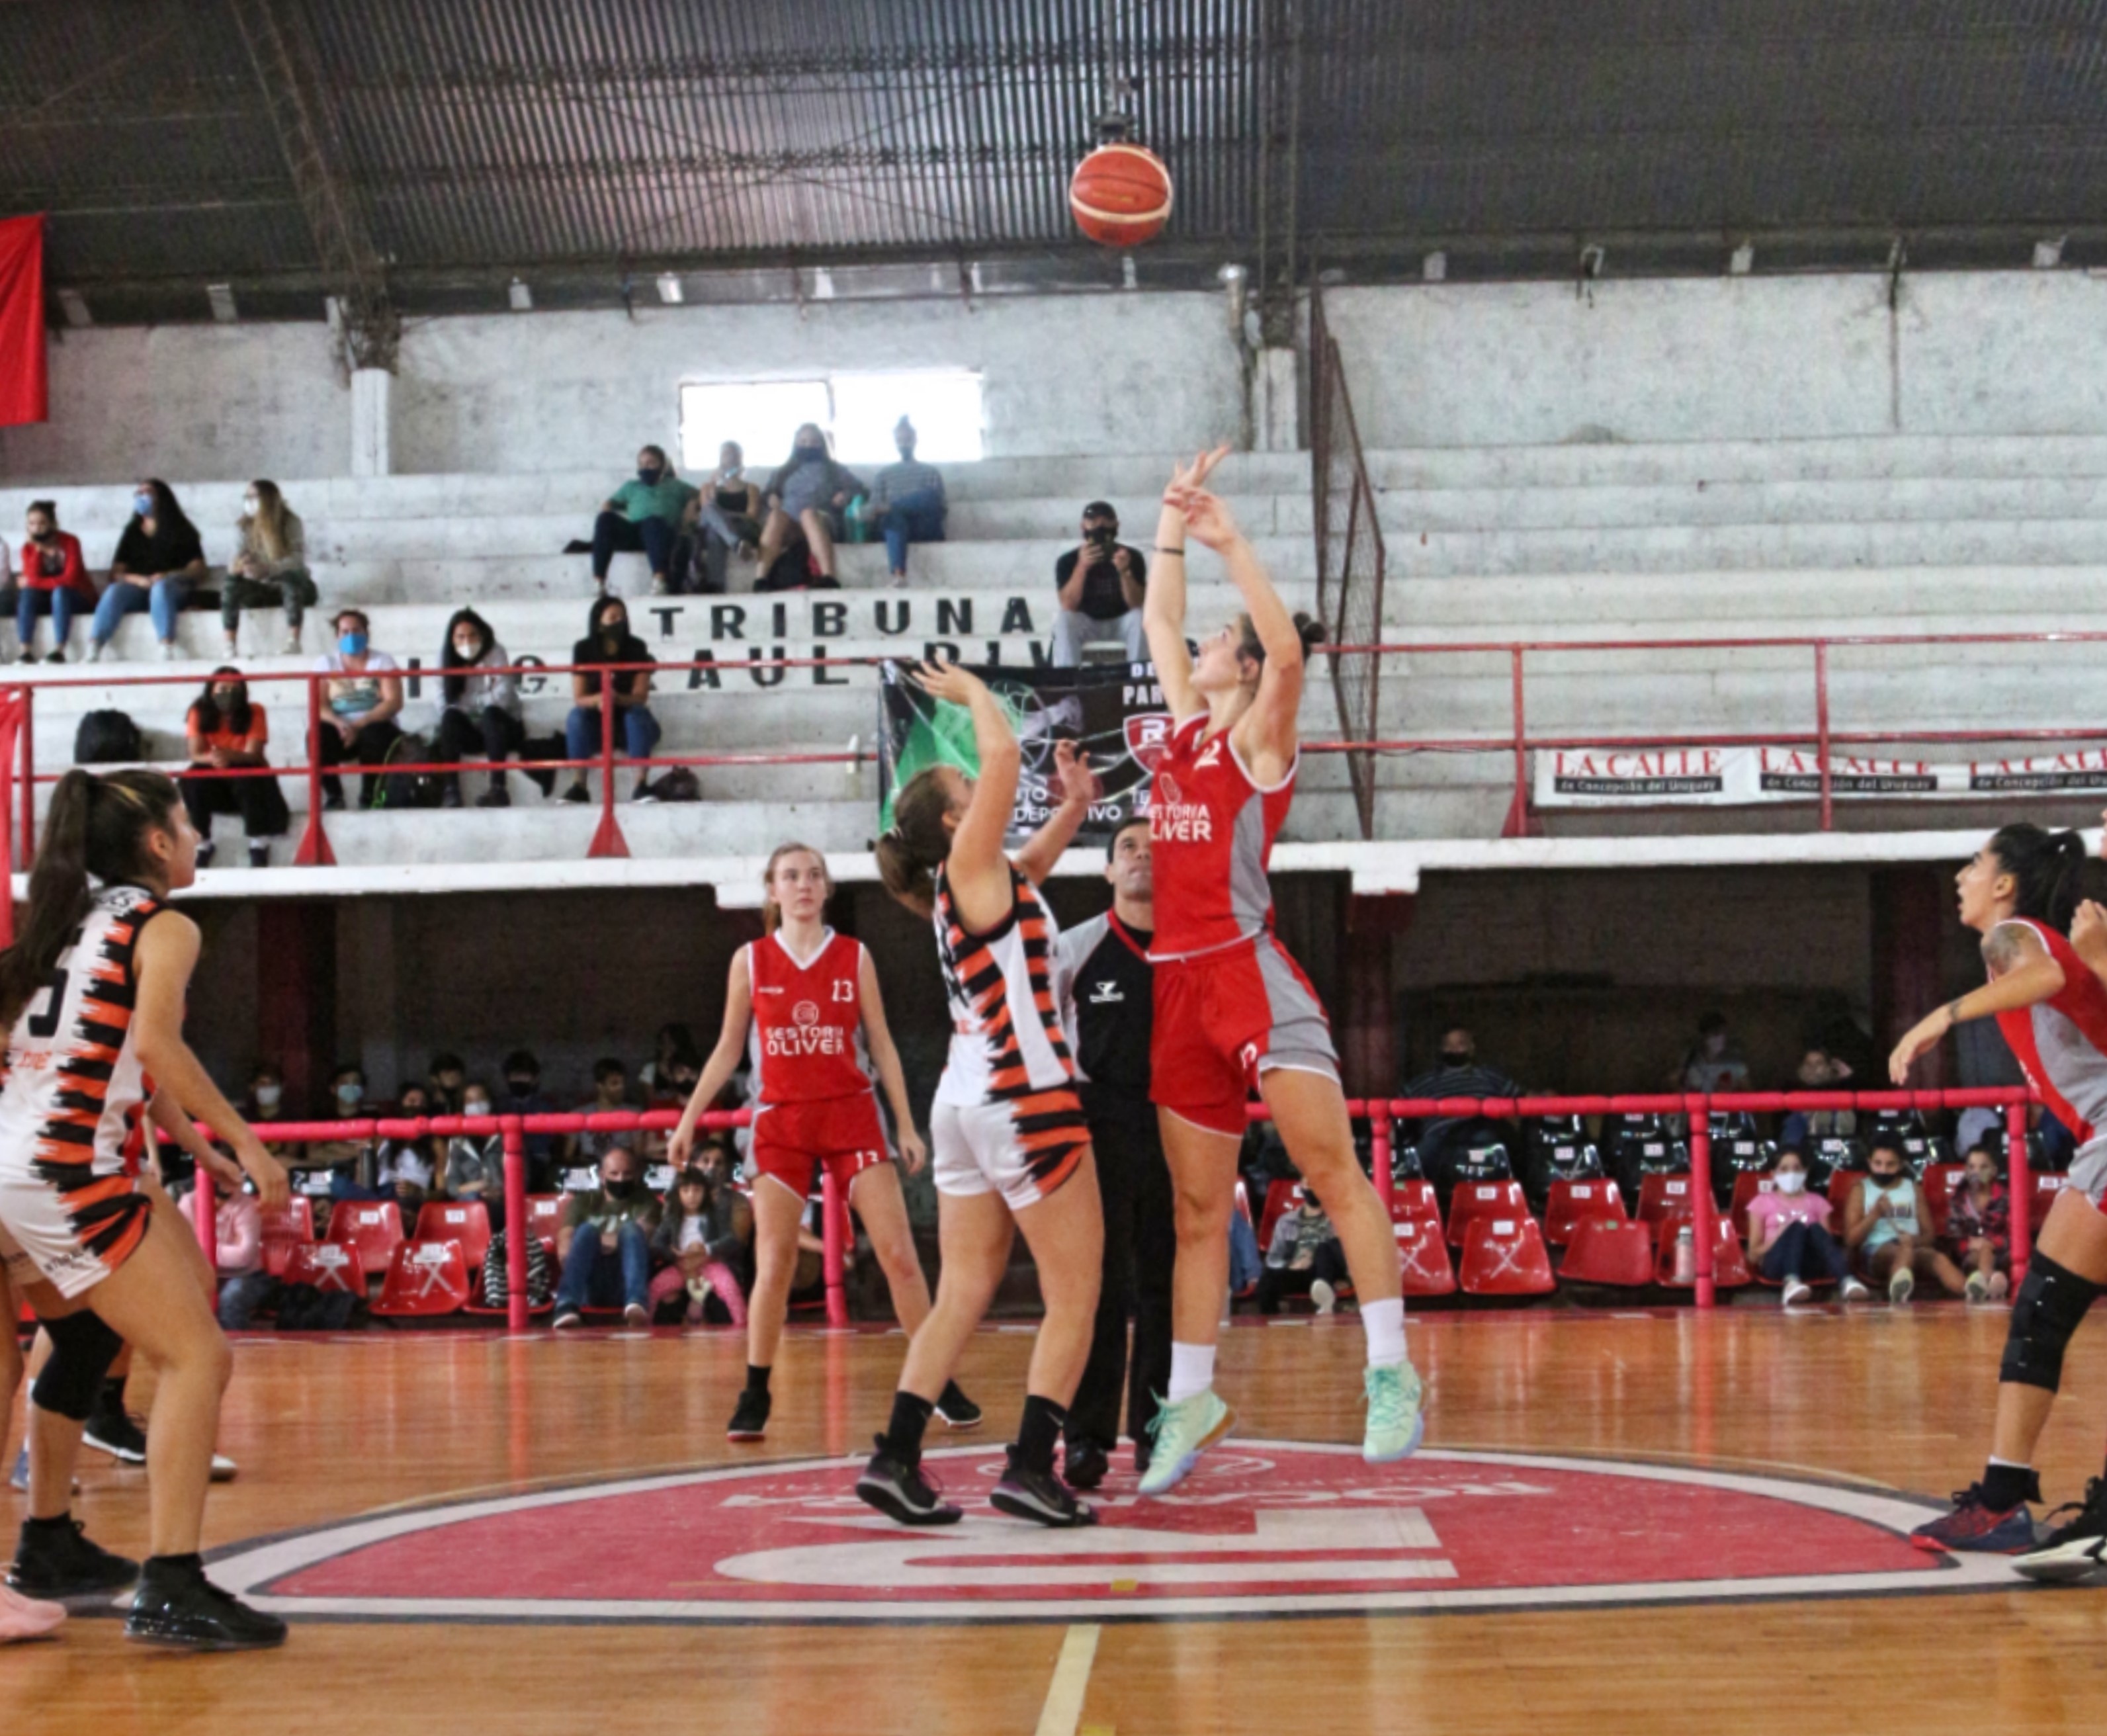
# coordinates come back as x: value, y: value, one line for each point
x: 806, y: 1013
x: 1263, y: 1527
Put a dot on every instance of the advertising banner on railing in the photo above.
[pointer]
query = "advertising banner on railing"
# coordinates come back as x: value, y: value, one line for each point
x: 1115, y: 713
x: 1633, y: 777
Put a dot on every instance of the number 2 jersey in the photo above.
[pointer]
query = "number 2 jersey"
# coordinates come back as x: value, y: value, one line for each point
x: 73, y: 1081
x: 1210, y: 830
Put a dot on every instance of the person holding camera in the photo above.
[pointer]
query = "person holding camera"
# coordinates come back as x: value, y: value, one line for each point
x: 1100, y: 583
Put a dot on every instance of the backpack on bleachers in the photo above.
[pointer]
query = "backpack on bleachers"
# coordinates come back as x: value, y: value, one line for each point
x: 409, y: 788
x: 541, y: 1273
x: 107, y: 738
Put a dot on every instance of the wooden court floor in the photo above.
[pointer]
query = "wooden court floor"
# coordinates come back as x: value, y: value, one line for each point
x: 1872, y: 1403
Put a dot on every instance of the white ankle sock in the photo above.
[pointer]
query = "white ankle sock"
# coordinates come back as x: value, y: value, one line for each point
x: 1192, y: 1371
x: 1384, y: 1323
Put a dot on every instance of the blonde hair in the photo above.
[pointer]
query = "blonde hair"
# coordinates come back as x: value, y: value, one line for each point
x: 267, y: 524
x: 771, y: 912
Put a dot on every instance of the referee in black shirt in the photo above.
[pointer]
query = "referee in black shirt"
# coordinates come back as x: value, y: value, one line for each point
x: 1106, y: 959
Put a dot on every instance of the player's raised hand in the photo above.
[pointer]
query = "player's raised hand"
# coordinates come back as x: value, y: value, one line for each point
x: 1209, y: 522
x: 1189, y: 477
x: 949, y: 681
x: 1072, y: 776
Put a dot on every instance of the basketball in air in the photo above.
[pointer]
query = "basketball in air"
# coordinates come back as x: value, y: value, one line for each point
x: 1120, y: 195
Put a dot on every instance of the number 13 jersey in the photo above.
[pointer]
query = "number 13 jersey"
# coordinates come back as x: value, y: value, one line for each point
x: 805, y: 1041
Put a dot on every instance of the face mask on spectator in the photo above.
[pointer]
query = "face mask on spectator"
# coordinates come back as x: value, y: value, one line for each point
x: 649, y: 474
x: 624, y: 1189
x: 521, y: 1085
x: 352, y: 645
x: 44, y: 536
x: 142, y: 503
x: 249, y: 505
x: 613, y: 627
x: 467, y: 647
x: 349, y: 1095
x: 269, y: 1096
x: 1792, y: 1181
x: 476, y: 1106
x: 1455, y: 1058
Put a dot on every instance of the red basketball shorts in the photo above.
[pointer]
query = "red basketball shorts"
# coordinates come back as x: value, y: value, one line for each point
x: 792, y: 1139
x: 1223, y: 1019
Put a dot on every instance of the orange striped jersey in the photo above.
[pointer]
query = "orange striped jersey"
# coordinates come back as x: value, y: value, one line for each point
x: 73, y: 1080
x: 1011, y: 1013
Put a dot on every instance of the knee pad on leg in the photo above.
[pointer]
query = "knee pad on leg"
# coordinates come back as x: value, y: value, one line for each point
x: 83, y: 1348
x: 2046, y: 1312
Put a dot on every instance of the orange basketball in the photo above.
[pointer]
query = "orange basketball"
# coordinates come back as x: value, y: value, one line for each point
x: 1120, y: 195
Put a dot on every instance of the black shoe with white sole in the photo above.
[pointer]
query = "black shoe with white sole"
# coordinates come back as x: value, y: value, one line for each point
x: 57, y: 1560
x: 112, y: 1431
x: 1040, y: 1496
x: 176, y: 1605
x: 749, y: 1417
x: 1084, y: 1465
x: 2074, y: 1550
x: 901, y: 1491
x: 957, y: 1410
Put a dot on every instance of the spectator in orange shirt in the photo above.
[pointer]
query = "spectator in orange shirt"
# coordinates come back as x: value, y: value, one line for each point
x: 227, y: 732
x: 54, y: 582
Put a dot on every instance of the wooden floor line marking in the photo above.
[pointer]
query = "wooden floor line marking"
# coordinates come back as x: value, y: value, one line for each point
x: 1063, y: 1711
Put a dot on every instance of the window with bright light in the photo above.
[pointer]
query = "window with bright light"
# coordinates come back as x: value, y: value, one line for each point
x: 858, y: 411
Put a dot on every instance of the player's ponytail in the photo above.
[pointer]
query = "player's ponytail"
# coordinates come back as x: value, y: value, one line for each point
x: 2047, y: 869
x: 915, y: 845
x: 1308, y: 628
x: 95, y: 826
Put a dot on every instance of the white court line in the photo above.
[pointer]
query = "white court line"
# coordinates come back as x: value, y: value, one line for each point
x: 1063, y: 1710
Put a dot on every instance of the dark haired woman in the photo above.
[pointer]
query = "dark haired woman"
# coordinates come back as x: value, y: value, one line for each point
x: 1007, y: 1133
x: 481, y: 707
x: 2020, y: 893
x: 54, y: 582
x: 227, y: 732
x: 608, y: 643
x: 1232, y: 1011
x: 159, y: 558
x: 93, y: 994
x: 644, y: 513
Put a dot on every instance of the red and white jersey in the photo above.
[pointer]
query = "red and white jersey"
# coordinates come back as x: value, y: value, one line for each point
x: 1210, y: 830
x: 73, y: 1080
x: 2061, y: 1042
x: 805, y: 1040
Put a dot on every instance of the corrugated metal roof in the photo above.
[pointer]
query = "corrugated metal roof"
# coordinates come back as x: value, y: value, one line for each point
x: 486, y: 137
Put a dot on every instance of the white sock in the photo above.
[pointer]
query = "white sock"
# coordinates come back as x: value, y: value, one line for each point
x: 2010, y: 1464
x: 1384, y: 1323
x: 1192, y: 1371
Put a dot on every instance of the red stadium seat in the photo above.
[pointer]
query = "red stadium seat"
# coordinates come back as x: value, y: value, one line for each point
x: 466, y: 1221
x: 1481, y: 1198
x: 1730, y: 1264
x: 1424, y: 1257
x: 424, y: 1279
x: 2047, y: 1187
x: 1279, y: 1202
x: 1505, y: 1256
x: 327, y: 1265
x: 1663, y: 1196
x: 289, y: 1226
x: 1414, y: 1202
x: 1617, y: 1254
x: 1747, y: 1185
x: 375, y: 1230
x: 545, y: 1213
x: 1574, y: 1202
x: 1840, y: 1185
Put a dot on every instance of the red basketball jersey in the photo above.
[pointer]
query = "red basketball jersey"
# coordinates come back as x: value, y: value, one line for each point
x: 1210, y: 830
x: 805, y: 1041
x: 2061, y: 1043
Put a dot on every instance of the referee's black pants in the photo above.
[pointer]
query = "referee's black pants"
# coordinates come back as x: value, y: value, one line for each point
x: 1141, y: 1242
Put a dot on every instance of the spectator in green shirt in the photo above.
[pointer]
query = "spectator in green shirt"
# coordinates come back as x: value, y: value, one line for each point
x: 605, y: 1243
x: 644, y: 513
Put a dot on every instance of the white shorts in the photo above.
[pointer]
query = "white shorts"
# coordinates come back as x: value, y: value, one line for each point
x: 72, y: 1234
x: 1023, y: 1150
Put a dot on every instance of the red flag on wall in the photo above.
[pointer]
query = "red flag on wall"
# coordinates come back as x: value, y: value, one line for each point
x: 24, y: 390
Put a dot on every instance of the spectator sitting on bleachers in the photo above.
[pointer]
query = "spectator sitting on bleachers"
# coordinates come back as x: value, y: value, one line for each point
x: 523, y: 1089
x: 608, y: 642
x: 605, y: 1242
x: 53, y: 581
x: 644, y: 514
x: 445, y: 1082
x: 346, y: 1158
x: 808, y: 493
x: 673, y: 1048
x: 1099, y: 588
x: 1820, y: 1071
x: 238, y: 1251
x: 159, y: 558
x: 1443, y: 1140
x: 1886, y: 1223
x: 270, y: 569
x: 724, y: 516
x: 1305, y: 1258
x: 610, y: 1093
x: 475, y: 1163
x: 907, y: 501
x: 699, y: 1237
x: 1711, y: 1064
x: 1979, y: 1228
x: 360, y: 704
x: 264, y: 1102
x: 406, y: 1169
x: 480, y: 710
x: 225, y: 732
x: 1789, y: 1237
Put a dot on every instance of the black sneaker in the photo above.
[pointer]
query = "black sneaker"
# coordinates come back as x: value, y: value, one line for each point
x: 545, y: 777
x: 577, y: 792
x: 180, y: 1607
x: 1040, y: 1496
x: 901, y: 1492
x: 957, y: 1410
x: 450, y: 796
x: 113, y: 1431
x: 2073, y: 1550
x: 1084, y: 1465
x: 749, y: 1419
x: 496, y: 796
x: 57, y: 1564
